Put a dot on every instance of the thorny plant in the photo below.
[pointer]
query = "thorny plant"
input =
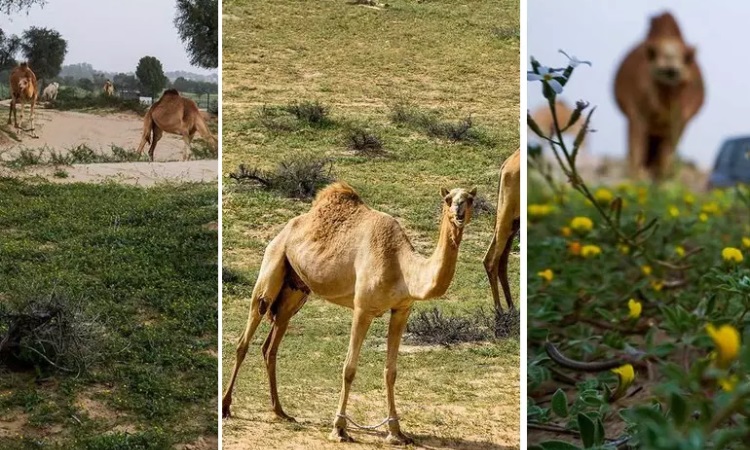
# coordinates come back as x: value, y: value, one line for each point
x: 648, y: 357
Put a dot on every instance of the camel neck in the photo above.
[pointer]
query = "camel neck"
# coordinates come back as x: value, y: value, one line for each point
x: 434, y: 275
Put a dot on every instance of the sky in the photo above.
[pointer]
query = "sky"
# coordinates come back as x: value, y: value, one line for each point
x: 605, y: 31
x: 111, y: 35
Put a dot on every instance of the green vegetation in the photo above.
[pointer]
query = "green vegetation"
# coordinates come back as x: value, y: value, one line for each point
x: 137, y: 269
x: 340, y: 67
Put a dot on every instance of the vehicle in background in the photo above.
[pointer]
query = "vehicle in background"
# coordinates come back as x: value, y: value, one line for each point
x: 732, y: 164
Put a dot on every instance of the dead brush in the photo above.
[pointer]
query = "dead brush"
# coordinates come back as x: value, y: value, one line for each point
x: 364, y: 142
x: 295, y: 177
x: 314, y: 113
x: 432, y: 326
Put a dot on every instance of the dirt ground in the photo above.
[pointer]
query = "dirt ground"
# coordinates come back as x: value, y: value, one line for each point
x: 64, y: 130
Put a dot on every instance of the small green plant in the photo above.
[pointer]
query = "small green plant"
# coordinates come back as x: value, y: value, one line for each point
x: 59, y: 173
x: 312, y: 113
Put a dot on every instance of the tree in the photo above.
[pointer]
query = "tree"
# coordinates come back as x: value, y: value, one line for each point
x: 45, y: 51
x: 10, y: 6
x: 125, y: 83
x: 86, y: 84
x: 197, y: 23
x: 9, y: 48
x: 151, y: 75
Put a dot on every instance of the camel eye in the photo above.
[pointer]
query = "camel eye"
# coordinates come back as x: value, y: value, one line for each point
x: 650, y: 53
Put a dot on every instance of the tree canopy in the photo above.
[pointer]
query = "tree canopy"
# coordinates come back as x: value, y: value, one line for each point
x: 197, y: 23
x: 9, y: 7
x: 151, y: 75
x: 9, y: 48
x: 45, y: 51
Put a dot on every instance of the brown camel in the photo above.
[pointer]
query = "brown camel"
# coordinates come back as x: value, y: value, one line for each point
x: 507, y: 223
x: 355, y: 257
x: 109, y: 88
x: 174, y: 114
x: 23, y: 87
x: 543, y: 118
x: 659, y: 89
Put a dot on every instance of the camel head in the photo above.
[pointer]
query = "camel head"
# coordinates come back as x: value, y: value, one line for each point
x: 460, y: 204
x: 23, y: 84
x: 669, y: 58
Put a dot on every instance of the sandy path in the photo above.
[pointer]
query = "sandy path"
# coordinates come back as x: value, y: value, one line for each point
x: 63, y: 130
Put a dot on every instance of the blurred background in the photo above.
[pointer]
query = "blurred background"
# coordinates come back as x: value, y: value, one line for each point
x: 604, y: 32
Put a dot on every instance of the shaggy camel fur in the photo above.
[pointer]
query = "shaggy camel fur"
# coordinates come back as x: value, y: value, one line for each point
x: 507, y: 223
x: 109, y: 88
x: 355, y: 257
x: 659, y: 88
x: 177, y: 115
x: 50, y: 92
x: 23, y: 87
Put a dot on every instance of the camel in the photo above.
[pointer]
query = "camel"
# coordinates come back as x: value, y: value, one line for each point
x: 23, y: 87
x: 659, y: 88
x: 543, y: 118
x: 507, y: 224
x: 355, y: 257
x: 177, y: 115
x: 109, y: 88
x: 50, y: 92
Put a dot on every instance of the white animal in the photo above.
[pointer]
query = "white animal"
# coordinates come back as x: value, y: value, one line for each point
x: 50, y: 92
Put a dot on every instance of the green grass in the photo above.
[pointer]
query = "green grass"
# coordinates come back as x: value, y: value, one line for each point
x: 355, y: 61
x: 143, y: 264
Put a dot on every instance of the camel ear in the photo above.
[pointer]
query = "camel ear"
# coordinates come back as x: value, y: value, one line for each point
x: 446, y: 195
x: 689, y: 55
x: 473, y: 192
x: 443, y: 192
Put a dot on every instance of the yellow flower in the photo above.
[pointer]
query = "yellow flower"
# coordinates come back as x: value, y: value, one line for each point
x: 746, y: 242
x: 727, y: 341
x: 646, y: 269
x: 624, y: 249
x: 539, y: 210
x: 625, y: 375
x: 635, y: 308
x: 731, y: 254
x: 590, y: 250
x: 657, y: 285
x: 680, y: 250
x: 602, y: 195
x: 574, y: 248
x: 710, y: 208
x: 703, y: 217
x: 547, y: 274
x: 566, y: 231
x: 689, y: 199
x: 727, y: 384
x: 581, y: 224
x: 674, y: 212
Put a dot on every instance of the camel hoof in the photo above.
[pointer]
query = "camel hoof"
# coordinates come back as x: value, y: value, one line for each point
x: 340, y: 435
x: 284, y: 416
x: 398, y: 439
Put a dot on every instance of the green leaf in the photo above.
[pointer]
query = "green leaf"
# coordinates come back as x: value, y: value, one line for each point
x: 678, y: 409
x: 560, y: 403
x: 588, y: 430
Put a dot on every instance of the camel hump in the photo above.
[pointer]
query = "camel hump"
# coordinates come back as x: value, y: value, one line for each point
x: 664, y: 25
x: 170, y: 92
x: 339, y: 191
x: 24, y: 65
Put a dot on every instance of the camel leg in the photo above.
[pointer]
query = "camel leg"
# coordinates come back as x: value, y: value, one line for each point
x: 154, y: 139
x: 12, y: 110
x: 31, y: 117
x: 396, y: 328
x: 289, y: 303
x: 503, y: 266
x: 493, y: 257
x: 638, y: 147
x: 267, y: 288
x: 360, y: 324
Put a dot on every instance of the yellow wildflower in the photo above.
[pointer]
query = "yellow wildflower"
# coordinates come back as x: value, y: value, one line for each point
x: 536, y: 211
x: 731, y: 254
x: 626, y: 376
x: 657, y: 285
x: 581, y: 224
x: 590, y: 250
x: 547, y: 274
x: 646, y: 269
x: 603, y: 195
x: 703, y: 217
x: 710, y: 208
x: 727, y: 384
x: 624, y: 249
x: 689, y: 199
x: 566, y: 231
x: 635, y: 308
x: 680, y: 250
x: 746, y: 242
x: 674, y: 212
x: 727, y: 341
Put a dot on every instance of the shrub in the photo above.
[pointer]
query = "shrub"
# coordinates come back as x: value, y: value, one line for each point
x: 296, y: 177
x: 432, y: 326
x: 67, y: 100
x: 364, y: 142
x: 313, y: 113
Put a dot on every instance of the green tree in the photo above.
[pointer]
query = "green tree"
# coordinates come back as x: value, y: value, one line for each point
x: 151, y: 75
x: 86, y: 84
x: 11, y: 6
x: 44, y: 50
x: 197, y: 23
x: 125, y: 83
x: 9, y: 48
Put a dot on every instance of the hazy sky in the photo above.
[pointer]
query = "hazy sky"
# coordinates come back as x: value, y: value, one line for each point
x: 604, y: 31
x: 112, y: 35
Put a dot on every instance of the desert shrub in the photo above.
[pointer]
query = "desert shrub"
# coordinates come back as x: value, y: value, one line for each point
x: 312, y: 113
x: 364, y: 142
x: 295, y: 177
x: 67, y: 100
x: 483, y: 206
x: 454, y: 131
x: 432, y: 326
x: 26, y: 157
x: 50, y: 333
x: 277, y: 119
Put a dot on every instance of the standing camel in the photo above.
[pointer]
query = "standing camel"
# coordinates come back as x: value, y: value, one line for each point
x: 507, y: 224
x: 23, y: 88
x: 355, y: 257
x: 109, y: 88
x: 177, y: 115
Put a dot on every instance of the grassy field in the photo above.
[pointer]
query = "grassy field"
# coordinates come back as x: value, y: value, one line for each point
x: 446, y: 61
x: 138, y: 266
